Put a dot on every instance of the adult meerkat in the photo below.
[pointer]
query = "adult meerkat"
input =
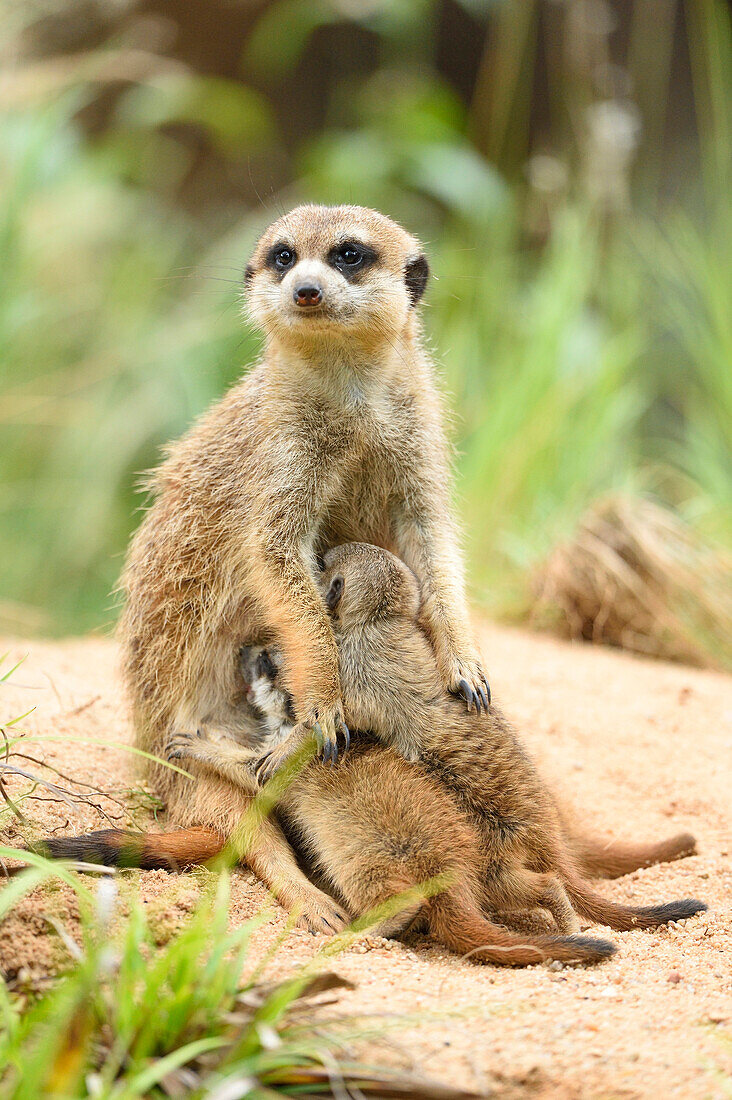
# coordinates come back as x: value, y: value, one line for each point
x: 335, y: 435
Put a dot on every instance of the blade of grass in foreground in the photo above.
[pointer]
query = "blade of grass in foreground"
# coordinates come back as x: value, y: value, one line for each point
x: 132, y: 1018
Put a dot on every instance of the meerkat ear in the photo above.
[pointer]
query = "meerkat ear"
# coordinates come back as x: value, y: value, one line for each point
x: 416, y: 274
x: 335, y: 592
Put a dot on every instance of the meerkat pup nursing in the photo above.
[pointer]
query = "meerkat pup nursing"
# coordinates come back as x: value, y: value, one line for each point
x: 470, y: 815
x: 392, y: 687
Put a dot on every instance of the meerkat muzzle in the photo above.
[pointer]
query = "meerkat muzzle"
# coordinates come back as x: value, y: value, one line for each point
x: 307, y: 295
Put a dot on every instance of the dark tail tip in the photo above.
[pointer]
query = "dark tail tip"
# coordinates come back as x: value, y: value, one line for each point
x: 109, y: 847
x: 583, y: 949
x: 674, y: 910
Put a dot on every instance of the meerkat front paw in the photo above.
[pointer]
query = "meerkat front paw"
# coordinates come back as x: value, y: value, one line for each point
x: 328, y: 723
x: 466, y: 678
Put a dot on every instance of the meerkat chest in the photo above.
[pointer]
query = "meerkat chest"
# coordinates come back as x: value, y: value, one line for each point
x: 366, y: 473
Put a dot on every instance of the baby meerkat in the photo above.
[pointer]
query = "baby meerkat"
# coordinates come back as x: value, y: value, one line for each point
x: 336, y: 435
x: 373, y: 827
x: 391, y: 687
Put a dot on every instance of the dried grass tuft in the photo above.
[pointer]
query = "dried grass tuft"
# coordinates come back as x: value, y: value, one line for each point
x: 635, y: 575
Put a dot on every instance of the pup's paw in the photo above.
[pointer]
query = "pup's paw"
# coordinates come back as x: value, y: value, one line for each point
x: 328, y: 724
x: 323, y: 728
x: 184, y: 745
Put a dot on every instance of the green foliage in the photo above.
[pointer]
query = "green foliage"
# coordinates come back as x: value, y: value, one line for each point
x: 582, y: 350
x: 143, y: 1010
x: 130, y: 1012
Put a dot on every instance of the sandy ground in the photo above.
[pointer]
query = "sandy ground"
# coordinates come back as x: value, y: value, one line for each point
x: 643, y: 748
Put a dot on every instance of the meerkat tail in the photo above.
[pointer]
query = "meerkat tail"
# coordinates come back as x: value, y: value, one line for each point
x: 625, y: 918
x: 598, y: 859
x: 458, y: 923
x: 122, y: 848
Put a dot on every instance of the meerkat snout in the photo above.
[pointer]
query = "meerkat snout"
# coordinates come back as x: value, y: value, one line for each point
x: 307, y: 295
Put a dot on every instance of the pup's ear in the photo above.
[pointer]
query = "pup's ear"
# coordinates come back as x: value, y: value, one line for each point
x: 248, y: 273
x: 335, y: 592
x: 416, y: 274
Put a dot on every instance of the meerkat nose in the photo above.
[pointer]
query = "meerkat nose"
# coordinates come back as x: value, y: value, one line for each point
x: 308, y: 294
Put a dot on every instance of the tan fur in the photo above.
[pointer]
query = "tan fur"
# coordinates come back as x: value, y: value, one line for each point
x: 392, y: 687
x: 336, y: 434
x: 375, y: 827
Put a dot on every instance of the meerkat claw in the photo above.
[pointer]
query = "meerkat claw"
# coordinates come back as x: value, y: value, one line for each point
x: 346, y: 734
x: 469, y: 696
x: 264, y: 769
x: 482, y: 694
x: 179, y: 744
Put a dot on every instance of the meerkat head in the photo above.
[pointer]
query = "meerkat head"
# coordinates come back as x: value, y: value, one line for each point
x: 334, y: 270
x: 361, y: 584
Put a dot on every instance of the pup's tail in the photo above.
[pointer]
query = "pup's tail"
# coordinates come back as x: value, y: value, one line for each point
x: 458, y: 923
x: 121, y: 848
x: 624, y: 918
x: 597, y: 859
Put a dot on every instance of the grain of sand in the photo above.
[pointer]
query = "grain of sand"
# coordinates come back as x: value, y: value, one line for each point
x: 643, y: 749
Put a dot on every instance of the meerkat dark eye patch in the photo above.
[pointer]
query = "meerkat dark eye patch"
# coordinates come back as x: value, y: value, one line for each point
x: 335, y: 592
x: 281, y: 258
x: 351, y: 257
x: 416, y: 274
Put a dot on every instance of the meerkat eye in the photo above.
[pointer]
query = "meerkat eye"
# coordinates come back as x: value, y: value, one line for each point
x: 283, y: 258
x: 350, y: 256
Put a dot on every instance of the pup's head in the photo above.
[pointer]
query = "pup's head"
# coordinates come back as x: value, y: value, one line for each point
x: 334, y: 270
x: 361, y: 584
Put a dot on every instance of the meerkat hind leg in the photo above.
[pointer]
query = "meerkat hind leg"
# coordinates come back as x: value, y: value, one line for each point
x: 520, y: 890
x: 269, y: 855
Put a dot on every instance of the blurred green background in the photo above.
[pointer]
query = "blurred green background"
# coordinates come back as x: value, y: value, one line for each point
x: 566, y: 162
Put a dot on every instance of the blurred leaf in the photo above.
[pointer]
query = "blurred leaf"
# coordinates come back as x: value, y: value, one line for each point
x: 410, y: 107
x: 281, y: 34
x: 459, y: 178
x: 349, y: 164
x: 237, y: 118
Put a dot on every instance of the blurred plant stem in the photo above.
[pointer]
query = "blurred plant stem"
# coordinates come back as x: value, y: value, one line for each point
x: 502, y: 97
